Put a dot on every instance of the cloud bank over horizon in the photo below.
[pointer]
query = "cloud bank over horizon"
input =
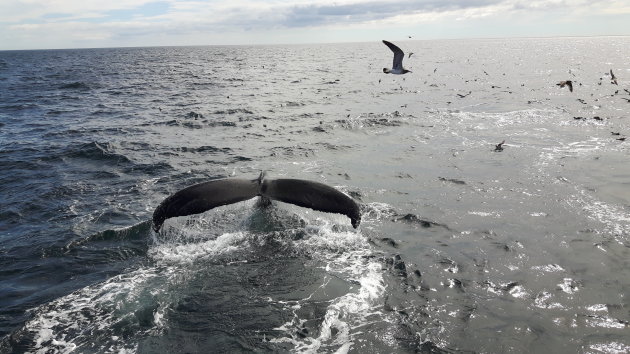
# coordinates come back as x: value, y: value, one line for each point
x: 36, y: 24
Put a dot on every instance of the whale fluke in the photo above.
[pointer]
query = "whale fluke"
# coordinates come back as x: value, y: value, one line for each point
x: 313, y: 195
x: 204, y: 196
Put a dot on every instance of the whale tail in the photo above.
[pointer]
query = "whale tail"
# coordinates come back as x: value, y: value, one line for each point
x: 204, y: 196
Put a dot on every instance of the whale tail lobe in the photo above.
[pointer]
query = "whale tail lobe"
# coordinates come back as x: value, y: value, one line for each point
x: 204, y: 196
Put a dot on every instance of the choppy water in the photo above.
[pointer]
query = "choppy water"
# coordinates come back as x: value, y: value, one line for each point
x: 461, y: 248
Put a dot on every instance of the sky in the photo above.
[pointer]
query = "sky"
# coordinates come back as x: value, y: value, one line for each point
x: 49, y: 24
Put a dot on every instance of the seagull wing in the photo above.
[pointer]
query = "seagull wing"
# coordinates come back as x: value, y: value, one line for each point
x: 398, y: 55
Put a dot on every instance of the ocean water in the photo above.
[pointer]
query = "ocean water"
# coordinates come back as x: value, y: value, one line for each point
x: 461, y: 247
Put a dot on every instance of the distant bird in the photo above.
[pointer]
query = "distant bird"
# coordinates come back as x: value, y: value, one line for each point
x: 613, y: 79
x: 397, y: 67
x: 410, y: 54
x: 568, y: 83
x: 499, y: 146
x: 409, y: 36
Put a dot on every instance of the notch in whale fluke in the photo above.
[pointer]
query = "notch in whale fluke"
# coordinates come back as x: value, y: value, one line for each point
x: 204, y: 196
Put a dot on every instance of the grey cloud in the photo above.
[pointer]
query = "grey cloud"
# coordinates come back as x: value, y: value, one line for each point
x: 314, y: 15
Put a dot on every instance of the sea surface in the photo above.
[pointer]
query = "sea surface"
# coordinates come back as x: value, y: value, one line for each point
x: 461, y: 248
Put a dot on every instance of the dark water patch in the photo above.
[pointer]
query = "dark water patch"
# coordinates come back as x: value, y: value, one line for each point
x: 415, y: 220
x: 191, y: 125
x: 292, y: 151
x: 398, y: 265
x: 77, y: 85
x: 252, y: 118
x: 193, y: 115
x: 205, y: 149
x: 100, y: 113
x: 388, y: 242
x: 293, y: 104
x: 69, y: 98
x: 221, y: 124
x: 97, y: 152
x: 452, y: 180
x: 372, y: 120
x: 171, y: 123
x: 16, y: 154
x: 107, y: 175
x: 149, y: 169
x: 241, y: 159
x: 233, y: 111
x: 18, y: 107
x: 334, y: 147
x: 57, y: 112
x: 136, y: 237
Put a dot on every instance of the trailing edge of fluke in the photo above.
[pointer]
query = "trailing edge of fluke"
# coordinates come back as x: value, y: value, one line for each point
x: 204, y: 196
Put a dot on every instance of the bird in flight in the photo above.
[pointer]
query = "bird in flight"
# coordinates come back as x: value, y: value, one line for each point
x: 397, y: 67
x: 613, y: 78
x: 566, y: 83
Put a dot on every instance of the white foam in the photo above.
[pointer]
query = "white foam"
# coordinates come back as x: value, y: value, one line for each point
x: 616, y: 218
x: 190, y: 252
x: 569, y: 286
x: 68, y: 323
x: 549, y: 268
x: 345, y: 314
x: 611, y: 348
x: 598, y: 308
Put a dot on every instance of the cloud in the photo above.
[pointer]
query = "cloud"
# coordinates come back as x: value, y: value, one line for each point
x: 369, y: 11
x: 133, y: 22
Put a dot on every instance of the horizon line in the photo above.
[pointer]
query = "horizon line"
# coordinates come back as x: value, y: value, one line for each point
x: 320, y: 43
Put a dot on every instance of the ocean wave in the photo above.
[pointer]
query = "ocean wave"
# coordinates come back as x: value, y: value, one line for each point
x: 97, y: 152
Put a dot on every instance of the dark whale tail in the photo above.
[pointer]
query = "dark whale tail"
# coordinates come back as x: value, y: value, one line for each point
x: 207, y: 195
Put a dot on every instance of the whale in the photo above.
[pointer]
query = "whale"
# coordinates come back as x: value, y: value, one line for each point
x: 204, y: 196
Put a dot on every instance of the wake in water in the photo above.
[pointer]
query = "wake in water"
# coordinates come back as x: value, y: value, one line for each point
x: 322, y: 285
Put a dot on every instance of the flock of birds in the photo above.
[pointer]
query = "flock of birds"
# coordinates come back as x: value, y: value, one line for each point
x: 398, y: 69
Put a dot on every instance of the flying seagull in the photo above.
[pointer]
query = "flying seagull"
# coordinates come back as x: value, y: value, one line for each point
x: 566, y: 83
x: 397, y: 67
x: 613, y: 78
